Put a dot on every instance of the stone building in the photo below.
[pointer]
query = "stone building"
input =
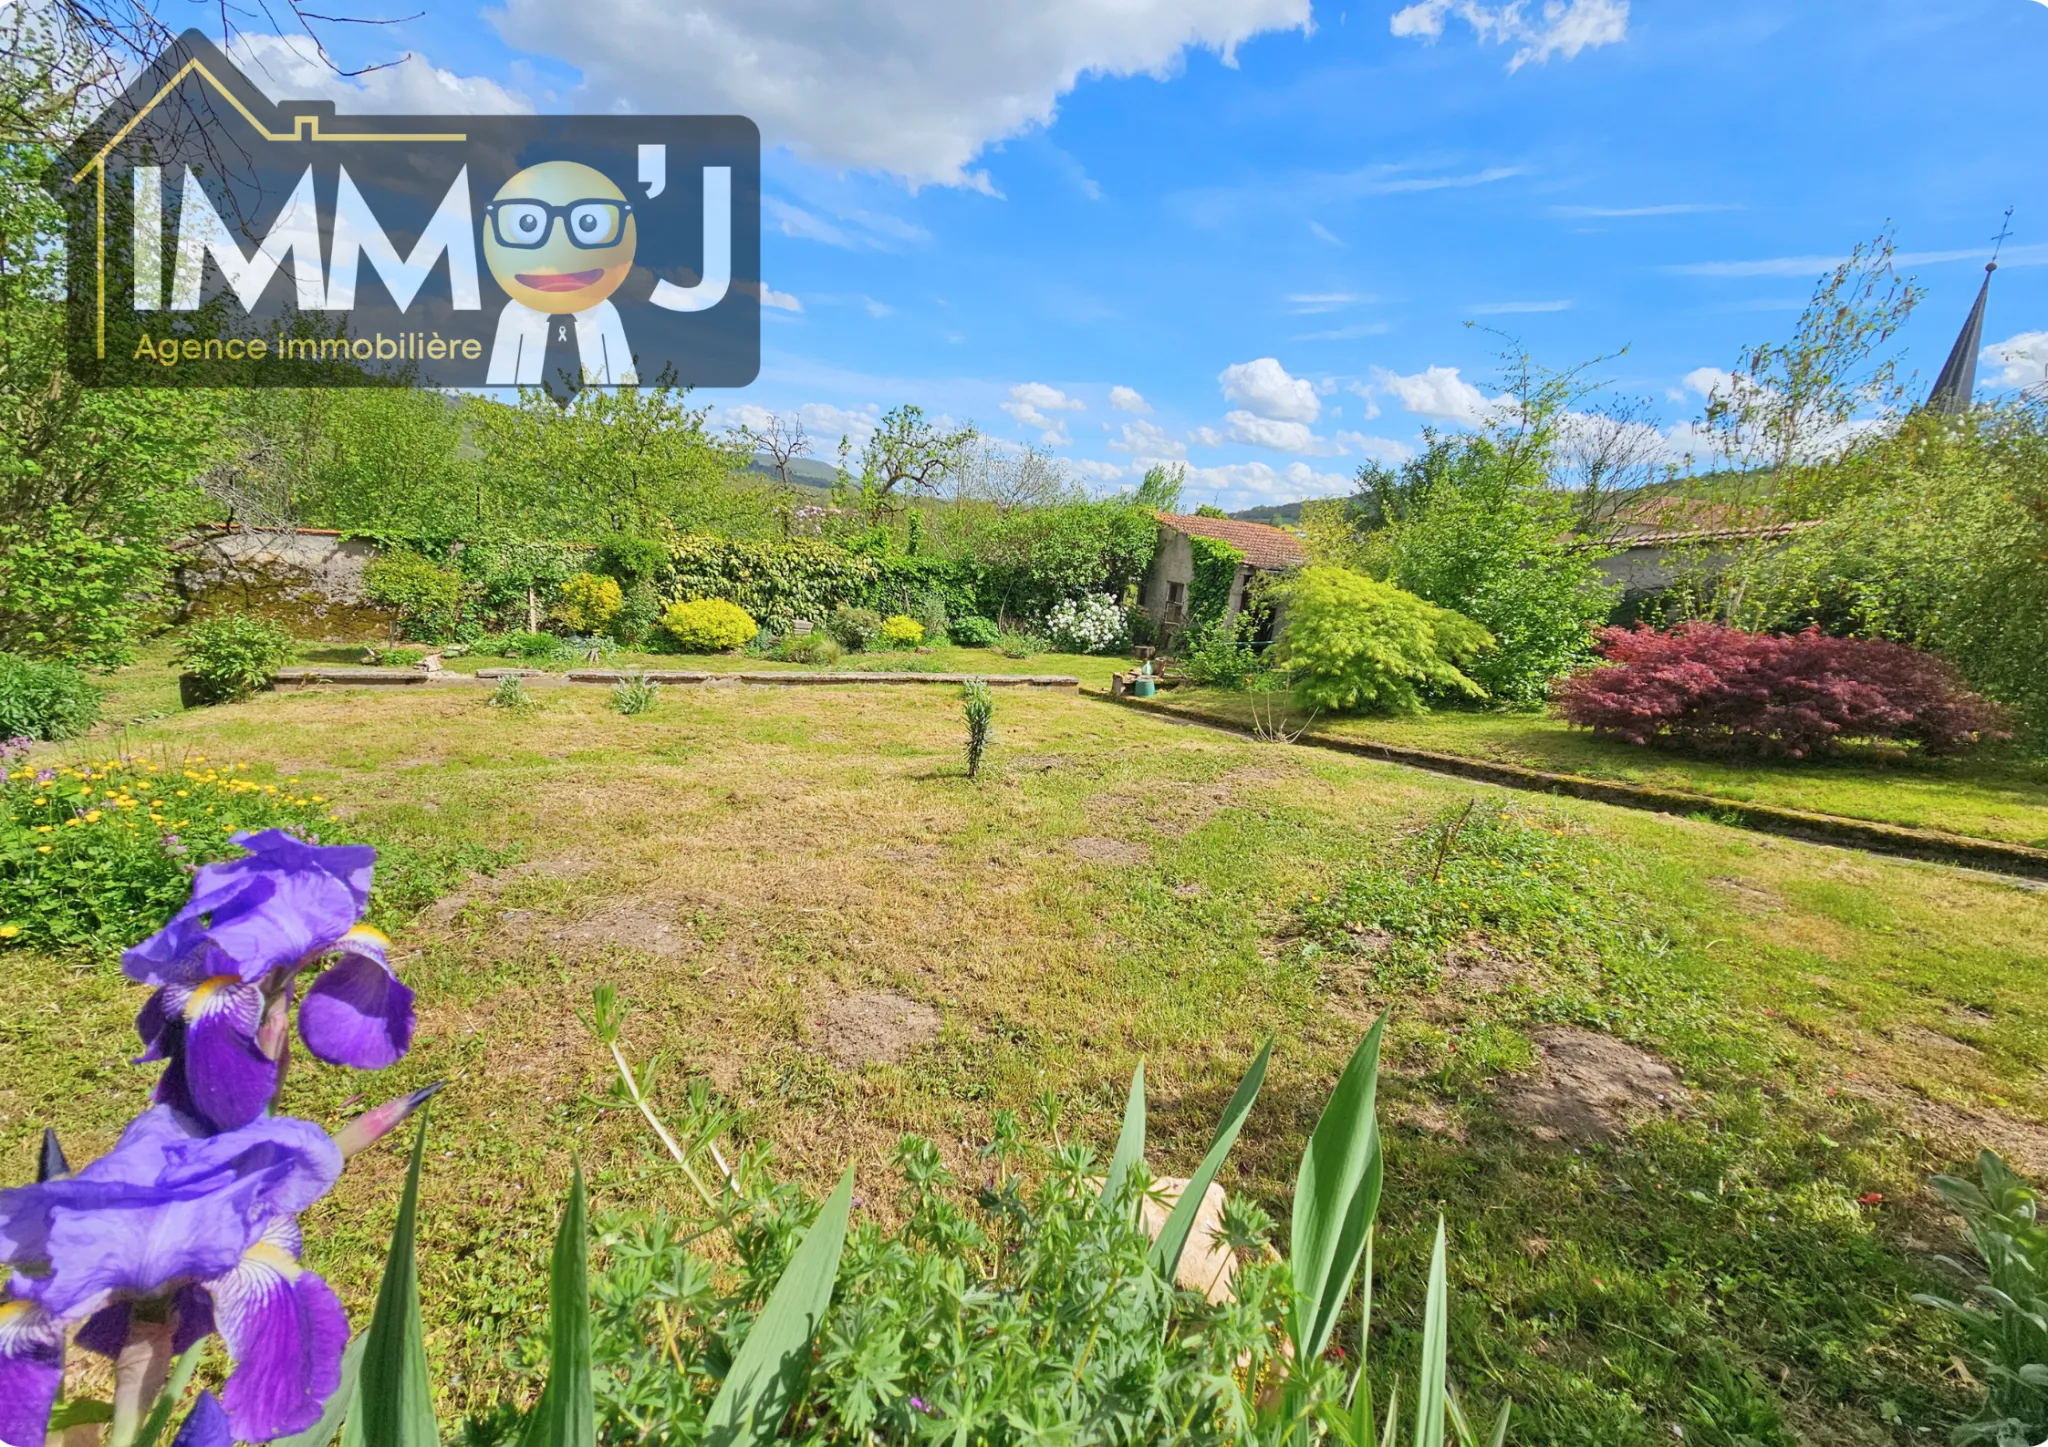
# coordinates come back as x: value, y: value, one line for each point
x: 1164, y: 592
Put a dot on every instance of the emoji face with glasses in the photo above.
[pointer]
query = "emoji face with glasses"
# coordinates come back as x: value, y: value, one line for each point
x: 559, y: 237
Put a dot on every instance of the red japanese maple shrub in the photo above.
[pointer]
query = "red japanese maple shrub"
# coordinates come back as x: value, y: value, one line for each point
x: 1789, y: 695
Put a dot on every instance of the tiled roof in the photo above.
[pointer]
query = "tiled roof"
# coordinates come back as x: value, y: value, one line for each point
x: 1267, y: 548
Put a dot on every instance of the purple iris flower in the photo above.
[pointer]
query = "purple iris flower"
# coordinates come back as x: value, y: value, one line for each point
x: 181, y: 1228
x: 206, y: 1425
x: 226, y: 965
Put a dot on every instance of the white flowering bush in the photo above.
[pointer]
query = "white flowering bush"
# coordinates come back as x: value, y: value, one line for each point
x: 1094, y: 624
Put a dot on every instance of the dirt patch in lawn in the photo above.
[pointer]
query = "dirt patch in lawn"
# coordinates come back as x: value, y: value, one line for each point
x: 1588, y: 1086
x: 1097, y: 850
x: 647, y: 926
x: 875, y: 1028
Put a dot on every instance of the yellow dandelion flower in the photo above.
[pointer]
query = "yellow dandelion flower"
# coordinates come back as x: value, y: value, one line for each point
x: 44, y: 828
x: 182, y: 793
x: 70, y: 823
x: 42, y: 801
x: 92, y: 816
x: 42, y: 849
x: 317, y: 799
x: 85, y: 793
x: 9, y: 931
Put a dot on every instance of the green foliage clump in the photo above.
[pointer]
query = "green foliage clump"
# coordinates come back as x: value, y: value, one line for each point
x: 1524, y: 881
x: 932, y: 616
x: 898, y: 631
x: 233, y: 656
x: 589, y: 602
x: 635, y: 695
x: 44, y: 700
x: 709, y: 625
x: 816, y: 646
x: 1032, y: 557
x: 1220, y: 656
x: 510, y: 582
x: 971, y: 630
x: 1483, y: 530
x: 2005, y: 1319
x: 1351, y: 642
x: 854, y: 628
x: 426, y: 596
x: 536, y: 648
x: 980, y: 708
x: 1019, y: 643
x: 96, y: 854
x: 630, y: 558
x: 1934, y: 535
x: 513, y: 696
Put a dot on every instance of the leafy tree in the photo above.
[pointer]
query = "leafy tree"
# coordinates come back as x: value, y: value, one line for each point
x: 612, y: 460
x: 1160, y: 490
x: 905, y: 456
x: 94, y: 483
x: 1481, y: 529
x: 1935, y: 535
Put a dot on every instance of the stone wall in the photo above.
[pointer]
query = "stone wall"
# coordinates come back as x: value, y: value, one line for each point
x: 309, y: 579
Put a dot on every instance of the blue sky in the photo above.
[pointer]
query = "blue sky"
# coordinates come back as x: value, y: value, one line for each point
x: 1249, y: 235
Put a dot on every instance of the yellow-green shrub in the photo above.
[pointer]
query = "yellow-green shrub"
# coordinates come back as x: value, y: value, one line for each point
x: 589, y: 602
x: 1353, y: 642
x: 899, y: 631
x: 709, y: 625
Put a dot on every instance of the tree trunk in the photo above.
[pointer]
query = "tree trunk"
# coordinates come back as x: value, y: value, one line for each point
x: 532, y: 611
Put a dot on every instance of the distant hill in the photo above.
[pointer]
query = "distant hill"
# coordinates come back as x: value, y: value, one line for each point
x: 806, y: 472
x: 1275, y: 514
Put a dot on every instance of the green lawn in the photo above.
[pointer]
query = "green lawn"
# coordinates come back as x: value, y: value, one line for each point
x: 741, y: 861
x: 2000, y: 794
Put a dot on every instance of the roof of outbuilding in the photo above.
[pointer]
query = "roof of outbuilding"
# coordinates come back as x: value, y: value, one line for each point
x: 1267, y: 548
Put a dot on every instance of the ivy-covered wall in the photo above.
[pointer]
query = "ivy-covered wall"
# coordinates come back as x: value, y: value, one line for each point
x: 1216, y: 567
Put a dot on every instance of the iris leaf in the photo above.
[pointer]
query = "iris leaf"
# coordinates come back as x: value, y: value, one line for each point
x: 1180, y: 1221
x: 758, y: 1390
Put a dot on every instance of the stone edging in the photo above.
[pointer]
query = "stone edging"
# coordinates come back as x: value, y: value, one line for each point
x: 1864, y: 834
x: 404, y: 676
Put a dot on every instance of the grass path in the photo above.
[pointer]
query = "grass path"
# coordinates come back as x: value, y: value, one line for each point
x: 741, y: 859
x: 1999, y: 795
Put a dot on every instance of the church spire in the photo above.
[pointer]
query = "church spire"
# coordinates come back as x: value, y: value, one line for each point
x: 1957, y: 384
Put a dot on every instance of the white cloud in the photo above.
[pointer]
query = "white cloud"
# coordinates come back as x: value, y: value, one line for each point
x: 1440, y: 393
x: 1704, y: 383
x: 1280, y: 436
x: 852, y: 228
x: 1565, y: 27
x: 1097, y: 471
x: 1323, y: 233
x: 1206, y: 437
x: 1031, y: 401
x: 1379, y: 449
x: 1265, y: 388
x: 1312, y: 302
x: 1148, y: 439
x: 1518, y: 308
x: 780, y: 300
x: 1372, y: 403
x: 1349, y: 333
x: 287, y: 67
x: 1126, y: 399
x: 2024, y: 358
x: 1682, y: 208
x: 827, y: 424
x: 1247, y: 484
x: 916, y: 88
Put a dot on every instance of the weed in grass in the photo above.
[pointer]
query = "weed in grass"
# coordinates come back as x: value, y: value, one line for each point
x: 635, y: 695
x: 980, y: 708
x: 513, y: 696
x: 1516, y: 879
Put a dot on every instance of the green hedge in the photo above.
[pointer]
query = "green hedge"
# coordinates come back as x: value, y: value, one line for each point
x: 781, y: 581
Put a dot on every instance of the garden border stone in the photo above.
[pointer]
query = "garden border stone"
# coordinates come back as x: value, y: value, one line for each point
x: 308, y: 676
x: 1896, y: 839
